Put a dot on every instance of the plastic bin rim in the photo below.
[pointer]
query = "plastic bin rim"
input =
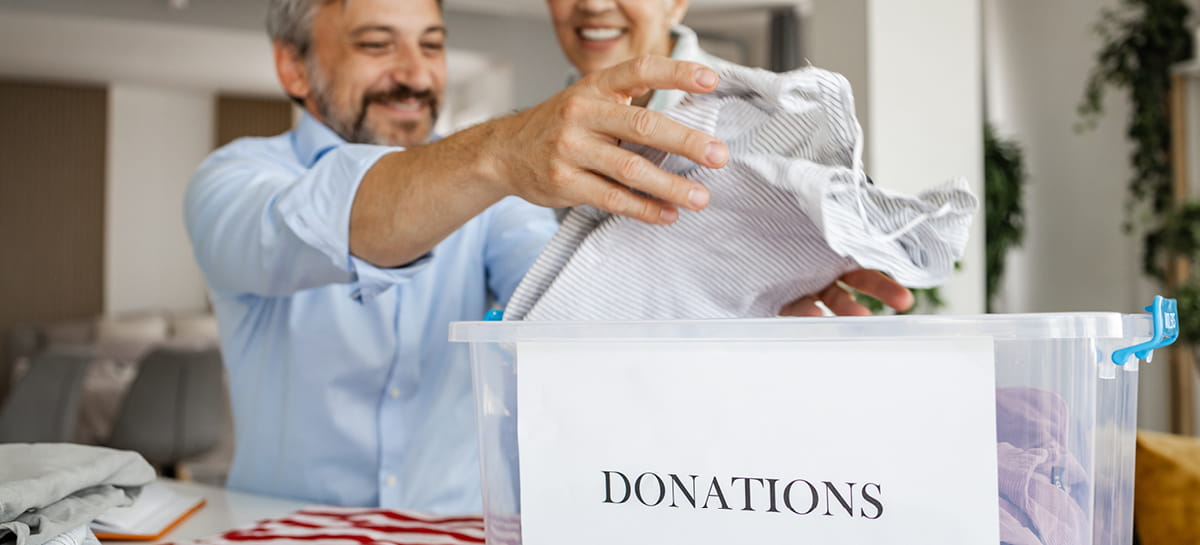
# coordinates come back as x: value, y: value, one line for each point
x: 1070, y: 325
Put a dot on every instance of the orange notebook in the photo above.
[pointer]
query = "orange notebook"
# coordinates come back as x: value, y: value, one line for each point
x: 157, y: 511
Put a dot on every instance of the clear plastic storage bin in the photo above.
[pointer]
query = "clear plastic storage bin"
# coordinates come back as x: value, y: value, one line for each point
x: 1070, y: 357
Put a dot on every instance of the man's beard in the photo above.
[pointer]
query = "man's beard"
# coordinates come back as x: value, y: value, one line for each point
x: 352, y: 127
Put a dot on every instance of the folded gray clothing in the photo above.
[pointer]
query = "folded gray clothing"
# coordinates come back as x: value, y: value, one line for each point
x: 80, y: 536
x: 51, y: 489
x: 790, y: 213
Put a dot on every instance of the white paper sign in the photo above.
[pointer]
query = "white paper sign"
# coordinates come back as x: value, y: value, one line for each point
x: 771, y: 442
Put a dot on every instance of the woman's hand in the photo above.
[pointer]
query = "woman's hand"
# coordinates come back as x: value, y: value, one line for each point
x: 842, y: 303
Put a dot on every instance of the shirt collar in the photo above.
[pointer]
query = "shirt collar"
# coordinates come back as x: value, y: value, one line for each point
x: 687, y: 48
x: 312, y: 139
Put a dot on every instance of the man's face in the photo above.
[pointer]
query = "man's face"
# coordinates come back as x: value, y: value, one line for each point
x: 597, y: 34
x: 377, y: 69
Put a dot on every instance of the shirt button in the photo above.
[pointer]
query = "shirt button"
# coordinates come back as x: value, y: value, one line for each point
x: 390, y: 480
x: 394, y: 392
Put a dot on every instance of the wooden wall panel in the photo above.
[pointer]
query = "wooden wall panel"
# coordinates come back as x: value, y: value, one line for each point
x: 1181, y: 356
x: 251, y: 116
x: 52, y: 186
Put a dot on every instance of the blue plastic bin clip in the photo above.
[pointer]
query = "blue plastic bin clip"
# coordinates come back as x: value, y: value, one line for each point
x: 1166, y: 330
x: 494, y: 315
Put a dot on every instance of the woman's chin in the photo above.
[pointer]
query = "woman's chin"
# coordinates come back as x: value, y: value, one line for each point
x: 595, y: 65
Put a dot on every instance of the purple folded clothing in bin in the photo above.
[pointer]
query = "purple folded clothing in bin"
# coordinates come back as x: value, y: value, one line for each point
x: 1042, y: 485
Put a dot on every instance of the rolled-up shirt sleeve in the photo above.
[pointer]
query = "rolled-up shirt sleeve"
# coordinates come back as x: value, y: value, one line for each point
x: 259, y: 227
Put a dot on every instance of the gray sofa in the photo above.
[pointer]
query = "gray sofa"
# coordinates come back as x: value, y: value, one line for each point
x: 151, y: 382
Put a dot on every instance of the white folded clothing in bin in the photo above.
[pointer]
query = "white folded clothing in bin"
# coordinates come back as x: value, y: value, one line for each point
x: 790, y: 213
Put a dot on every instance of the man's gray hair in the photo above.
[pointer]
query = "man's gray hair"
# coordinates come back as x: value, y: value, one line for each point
x: 290, y: 22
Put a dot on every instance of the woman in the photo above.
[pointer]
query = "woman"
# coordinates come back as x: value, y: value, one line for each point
x: 597, y: 34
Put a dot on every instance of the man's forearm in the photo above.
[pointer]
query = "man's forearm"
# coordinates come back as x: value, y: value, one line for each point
x: 562, y: 152
x: 411, y: 200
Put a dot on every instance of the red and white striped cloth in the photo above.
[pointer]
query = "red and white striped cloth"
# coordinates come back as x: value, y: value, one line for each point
x: 355, y: 526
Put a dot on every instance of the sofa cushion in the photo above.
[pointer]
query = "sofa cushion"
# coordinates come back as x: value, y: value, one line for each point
x: 128, y: 338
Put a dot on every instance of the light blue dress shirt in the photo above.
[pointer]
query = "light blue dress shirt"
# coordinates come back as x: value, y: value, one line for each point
x: 345, y: 389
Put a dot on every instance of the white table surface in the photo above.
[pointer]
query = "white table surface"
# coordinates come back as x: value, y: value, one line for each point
x: 224, y: 510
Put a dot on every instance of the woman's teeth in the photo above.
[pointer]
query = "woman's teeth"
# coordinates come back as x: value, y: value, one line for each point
x: 600, y: 34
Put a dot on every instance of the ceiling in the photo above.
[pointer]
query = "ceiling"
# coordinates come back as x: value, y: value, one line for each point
x: 249, y: 14
x: 537, y: 8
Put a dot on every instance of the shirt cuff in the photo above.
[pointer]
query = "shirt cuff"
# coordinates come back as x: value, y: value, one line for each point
x: 317, y: 209
x: 371, y: 280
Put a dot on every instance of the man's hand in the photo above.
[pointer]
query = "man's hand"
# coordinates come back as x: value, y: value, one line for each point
x: 564, y: 151
x: 842, y: 303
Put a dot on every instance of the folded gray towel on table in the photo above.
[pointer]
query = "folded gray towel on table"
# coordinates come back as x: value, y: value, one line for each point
x: 79, y: 536
x: 51, y: 489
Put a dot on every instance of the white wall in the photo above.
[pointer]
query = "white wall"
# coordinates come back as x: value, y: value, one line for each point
x: 486, y: 94
x: 916, y: 70
x: 1075, y: 256
x: 104, y: 50
x: 527, y: 44
x: 927, y: 113
x: 156, y: 138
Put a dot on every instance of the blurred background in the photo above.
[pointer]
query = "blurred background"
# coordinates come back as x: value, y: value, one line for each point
x: 106, y: 108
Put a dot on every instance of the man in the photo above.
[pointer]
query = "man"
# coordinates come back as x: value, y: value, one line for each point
x: 335, y: 262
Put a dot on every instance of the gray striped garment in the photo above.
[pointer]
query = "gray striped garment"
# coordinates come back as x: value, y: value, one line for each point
x: 790, y: 213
